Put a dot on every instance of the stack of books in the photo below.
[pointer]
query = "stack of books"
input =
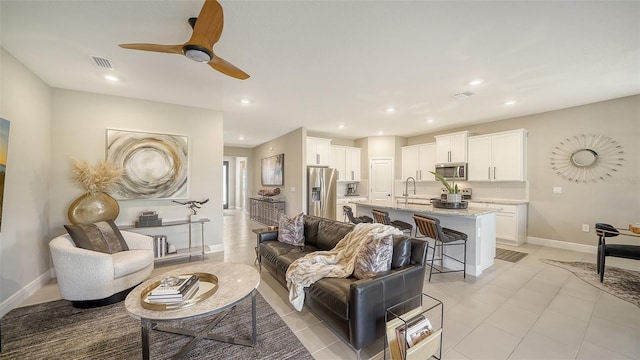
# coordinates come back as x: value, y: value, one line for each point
x: 186, y: 287
x: 148, y: 219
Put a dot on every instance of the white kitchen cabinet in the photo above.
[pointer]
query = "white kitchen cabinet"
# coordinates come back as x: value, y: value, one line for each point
x: 498, y: 157
x: 318, y: 151
x: 511, y: 222
x: 452, y: 148
x: 418, y: 161
x: 346, y: 160
x: 338, y: 160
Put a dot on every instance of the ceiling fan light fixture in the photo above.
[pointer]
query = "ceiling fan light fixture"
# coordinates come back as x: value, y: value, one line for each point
x: 197, y: 53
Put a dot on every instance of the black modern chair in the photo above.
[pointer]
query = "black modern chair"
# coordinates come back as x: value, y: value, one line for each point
x: 616, y: 250
x: 382, y: 217
x: 430, y: 227
x: 348, y: 212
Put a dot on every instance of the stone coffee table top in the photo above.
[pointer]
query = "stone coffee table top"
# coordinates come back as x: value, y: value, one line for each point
x: 235, y: 282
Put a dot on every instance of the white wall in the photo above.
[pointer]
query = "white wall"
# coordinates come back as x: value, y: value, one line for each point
x: 25, y: 101
x: 80, y: 121
x: 292, y: 145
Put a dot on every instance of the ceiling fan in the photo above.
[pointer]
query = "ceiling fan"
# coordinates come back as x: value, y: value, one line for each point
x: 207, y: 28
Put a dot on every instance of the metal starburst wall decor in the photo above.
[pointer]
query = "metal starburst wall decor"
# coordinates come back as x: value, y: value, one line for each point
x: 587, y: 158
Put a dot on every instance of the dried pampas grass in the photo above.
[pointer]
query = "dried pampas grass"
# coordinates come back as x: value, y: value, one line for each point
x: 98, y: 178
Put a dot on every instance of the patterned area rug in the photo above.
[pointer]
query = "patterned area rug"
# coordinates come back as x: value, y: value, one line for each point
x: 624, y: 284
x: 56, y: 330
x: 509, y: 255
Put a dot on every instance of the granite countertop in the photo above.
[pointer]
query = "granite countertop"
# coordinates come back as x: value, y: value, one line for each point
x: 478, y: 200
x: 500, y: 201
x: 424, y: 208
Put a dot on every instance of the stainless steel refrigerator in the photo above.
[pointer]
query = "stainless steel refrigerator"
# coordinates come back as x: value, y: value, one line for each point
x: 321, y: 192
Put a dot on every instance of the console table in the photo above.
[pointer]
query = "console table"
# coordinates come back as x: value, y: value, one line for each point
x: 188, y: 252
x: 266, y: 211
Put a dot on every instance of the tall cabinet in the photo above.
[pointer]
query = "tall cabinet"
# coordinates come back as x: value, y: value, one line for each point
x: 418, y: 161
x: 498, y: 157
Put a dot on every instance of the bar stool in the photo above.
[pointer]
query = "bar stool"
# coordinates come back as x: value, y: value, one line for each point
x: 348, y: 213
x: 430, y: 227
x: 382, y: 217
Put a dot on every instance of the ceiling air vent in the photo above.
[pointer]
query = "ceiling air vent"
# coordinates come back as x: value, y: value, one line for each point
x: 465, y: 94
x: 101, y: 62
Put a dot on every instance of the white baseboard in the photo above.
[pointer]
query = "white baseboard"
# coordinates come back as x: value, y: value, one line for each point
x: 591, y: 249
x: 214, y: 248
x: 18, y: 298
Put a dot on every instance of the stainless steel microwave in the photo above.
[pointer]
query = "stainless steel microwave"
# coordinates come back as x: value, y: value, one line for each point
x: 452, y: 171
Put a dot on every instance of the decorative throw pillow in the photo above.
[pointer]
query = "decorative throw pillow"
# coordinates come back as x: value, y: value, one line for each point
x: 291, y: 229
x: 103, y: 236
x: 374, y: 257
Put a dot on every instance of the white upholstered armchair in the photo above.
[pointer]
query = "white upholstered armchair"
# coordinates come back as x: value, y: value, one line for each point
x: 90, y: 278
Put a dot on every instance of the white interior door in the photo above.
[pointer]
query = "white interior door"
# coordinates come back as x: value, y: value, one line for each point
x: 381, y: 179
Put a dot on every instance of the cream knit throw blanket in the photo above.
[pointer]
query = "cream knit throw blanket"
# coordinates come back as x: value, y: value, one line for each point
x: 338, y: 262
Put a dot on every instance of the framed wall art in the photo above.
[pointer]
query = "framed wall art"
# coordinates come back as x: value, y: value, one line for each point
x: 156, y: 166
x: 273, y: 170
x: 4, y: 147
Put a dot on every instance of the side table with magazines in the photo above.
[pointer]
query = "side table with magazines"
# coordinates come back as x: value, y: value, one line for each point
x: 414, y: 329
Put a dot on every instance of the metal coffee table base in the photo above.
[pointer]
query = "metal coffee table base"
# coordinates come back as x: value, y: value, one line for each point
x: 148, y: 325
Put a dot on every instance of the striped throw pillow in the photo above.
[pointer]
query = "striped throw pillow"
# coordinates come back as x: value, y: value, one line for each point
x: 374, y: 257
x: 291, y: 229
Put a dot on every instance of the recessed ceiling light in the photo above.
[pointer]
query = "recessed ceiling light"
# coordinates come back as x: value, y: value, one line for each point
x: 475, y: 82
x: 245, y: 101
x: 240, y: 137
x: 110, y: 78
x: 509, y: 103
x: 341, y: 126
x: 390, y: 109
x: 380, y: 132
x: 430, y: 120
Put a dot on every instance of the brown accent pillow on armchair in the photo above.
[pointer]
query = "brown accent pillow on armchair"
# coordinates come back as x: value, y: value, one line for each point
x: 103, y: 236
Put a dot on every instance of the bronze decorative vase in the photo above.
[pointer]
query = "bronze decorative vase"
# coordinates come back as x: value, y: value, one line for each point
x: 93, y: 207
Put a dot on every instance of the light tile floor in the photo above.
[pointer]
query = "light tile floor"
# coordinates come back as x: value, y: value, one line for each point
x: 524, y: 310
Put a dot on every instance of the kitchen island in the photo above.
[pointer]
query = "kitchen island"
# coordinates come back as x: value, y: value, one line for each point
x: 478, y: 223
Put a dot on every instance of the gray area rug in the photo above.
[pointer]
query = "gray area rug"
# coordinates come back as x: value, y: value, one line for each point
x: 56, y: 330
x: 624, y: 284
x: 509, y: 255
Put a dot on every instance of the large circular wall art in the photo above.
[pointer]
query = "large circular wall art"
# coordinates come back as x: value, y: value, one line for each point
x: 587, y: 158
x: 155, y: 165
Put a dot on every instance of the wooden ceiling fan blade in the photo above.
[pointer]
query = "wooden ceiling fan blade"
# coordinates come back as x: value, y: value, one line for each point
x: 227, y: 68
x: 208, y: 26
x: 170, y: 49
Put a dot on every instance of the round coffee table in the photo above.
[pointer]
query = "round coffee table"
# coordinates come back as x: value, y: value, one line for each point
x: 236, y: 282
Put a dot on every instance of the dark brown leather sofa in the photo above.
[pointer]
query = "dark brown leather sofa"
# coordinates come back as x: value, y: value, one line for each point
x: 354, y: 308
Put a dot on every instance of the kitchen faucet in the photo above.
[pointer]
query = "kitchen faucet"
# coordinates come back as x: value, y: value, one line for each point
x: 406, y: 189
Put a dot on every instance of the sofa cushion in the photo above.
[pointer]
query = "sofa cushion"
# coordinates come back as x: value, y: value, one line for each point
x: 331, y: 232
x: 102, y: 236
x: 291, y: 229
x: 311, y: 230
x: 281, y: 254
x: 373, y: 257
x: 401, y: 251
x: 333, y: 293
x: 129, y: 262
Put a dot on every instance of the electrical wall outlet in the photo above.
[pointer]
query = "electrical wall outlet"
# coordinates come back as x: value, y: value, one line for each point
x: 557, y: 190
x: 292, y: 189
x: 585, y: 227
